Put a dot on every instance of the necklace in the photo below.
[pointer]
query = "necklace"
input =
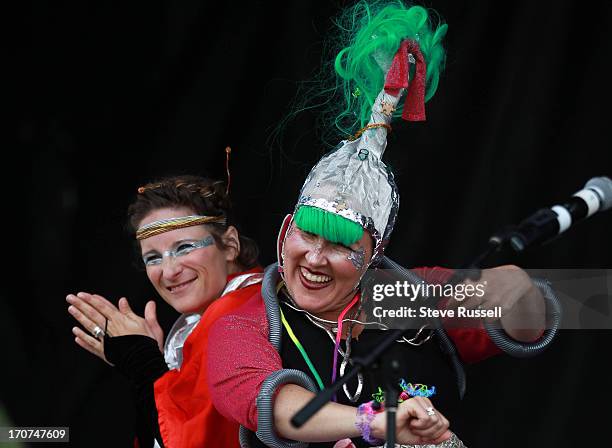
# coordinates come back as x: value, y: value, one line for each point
x: 317, y: 321
x: 416, y: 340
x: 353, y: 397
x: 346, y: 359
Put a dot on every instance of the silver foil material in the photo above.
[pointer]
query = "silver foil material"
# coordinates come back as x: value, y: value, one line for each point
x: 352, y: 181
x: 173, y: 348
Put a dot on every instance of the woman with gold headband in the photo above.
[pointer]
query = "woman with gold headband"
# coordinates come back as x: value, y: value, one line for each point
x: 193, y: 254
x: 301, y: 331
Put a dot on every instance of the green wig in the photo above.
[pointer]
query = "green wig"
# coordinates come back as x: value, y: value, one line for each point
x: 345, y: 88
x: 332, y: 227
x: 374, y: 31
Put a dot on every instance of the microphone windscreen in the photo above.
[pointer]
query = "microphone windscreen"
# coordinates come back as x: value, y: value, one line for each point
x: 603, y: 186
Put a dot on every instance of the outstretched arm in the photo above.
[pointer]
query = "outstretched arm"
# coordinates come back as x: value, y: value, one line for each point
x: 521, y: 302
x: 336, y: 421
x: 240, y: 359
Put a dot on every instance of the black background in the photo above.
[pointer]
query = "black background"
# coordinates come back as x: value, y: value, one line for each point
x: 111, y: 95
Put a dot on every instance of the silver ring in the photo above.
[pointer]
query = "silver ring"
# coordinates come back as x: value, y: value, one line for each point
x: 97, y: 332
x: 430, y: 411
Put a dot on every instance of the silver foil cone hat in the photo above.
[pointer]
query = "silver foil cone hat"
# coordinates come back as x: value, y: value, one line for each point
x: 352, y: 181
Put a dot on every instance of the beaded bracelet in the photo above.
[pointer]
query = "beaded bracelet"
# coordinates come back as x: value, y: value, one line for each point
x: 365, y: 414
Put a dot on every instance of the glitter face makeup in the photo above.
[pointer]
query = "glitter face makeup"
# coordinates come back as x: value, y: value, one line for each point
x: 182, y: 248
x: 185, y: 265
x: 357, y: 257
x: 319, y: 274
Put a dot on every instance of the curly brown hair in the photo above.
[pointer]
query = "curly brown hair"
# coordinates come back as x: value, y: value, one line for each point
x: 204, y: 197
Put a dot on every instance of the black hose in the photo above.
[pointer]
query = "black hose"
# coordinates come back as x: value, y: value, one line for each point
x: 524, y: 349
x: 265, y: 411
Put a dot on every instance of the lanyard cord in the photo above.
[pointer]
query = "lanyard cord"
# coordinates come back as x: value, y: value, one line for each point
x: 302, y: 351
x: 339, y: 334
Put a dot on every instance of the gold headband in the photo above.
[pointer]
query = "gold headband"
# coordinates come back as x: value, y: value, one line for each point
x: 166, y: 225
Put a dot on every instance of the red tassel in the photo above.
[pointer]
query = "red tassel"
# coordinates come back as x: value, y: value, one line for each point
x: 398, y: 78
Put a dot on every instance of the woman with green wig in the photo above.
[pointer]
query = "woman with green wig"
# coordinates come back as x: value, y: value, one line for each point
x: 301, y: 331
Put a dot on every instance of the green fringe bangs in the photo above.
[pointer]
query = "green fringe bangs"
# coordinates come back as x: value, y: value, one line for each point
x: 377, y: 28
x: 330, y: 226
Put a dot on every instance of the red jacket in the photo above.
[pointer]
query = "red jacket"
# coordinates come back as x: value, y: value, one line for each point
x: 186, y: 415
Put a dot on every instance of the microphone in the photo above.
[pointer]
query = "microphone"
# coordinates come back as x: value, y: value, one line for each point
x: 549, y: 222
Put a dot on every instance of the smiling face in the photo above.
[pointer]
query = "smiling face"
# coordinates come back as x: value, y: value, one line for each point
x: 321, y: 276
x: 187, y: 276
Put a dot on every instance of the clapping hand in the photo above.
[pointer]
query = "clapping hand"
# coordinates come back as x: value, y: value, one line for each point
x: 98, y: 317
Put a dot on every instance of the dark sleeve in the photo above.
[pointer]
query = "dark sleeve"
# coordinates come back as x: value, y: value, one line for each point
x: 138, y: 358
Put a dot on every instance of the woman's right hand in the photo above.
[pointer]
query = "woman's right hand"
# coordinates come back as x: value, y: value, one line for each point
x: 418, y: 423
x: 92, y: 310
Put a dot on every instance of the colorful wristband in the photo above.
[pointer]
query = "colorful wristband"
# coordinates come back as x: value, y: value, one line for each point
x: 365, y: 414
